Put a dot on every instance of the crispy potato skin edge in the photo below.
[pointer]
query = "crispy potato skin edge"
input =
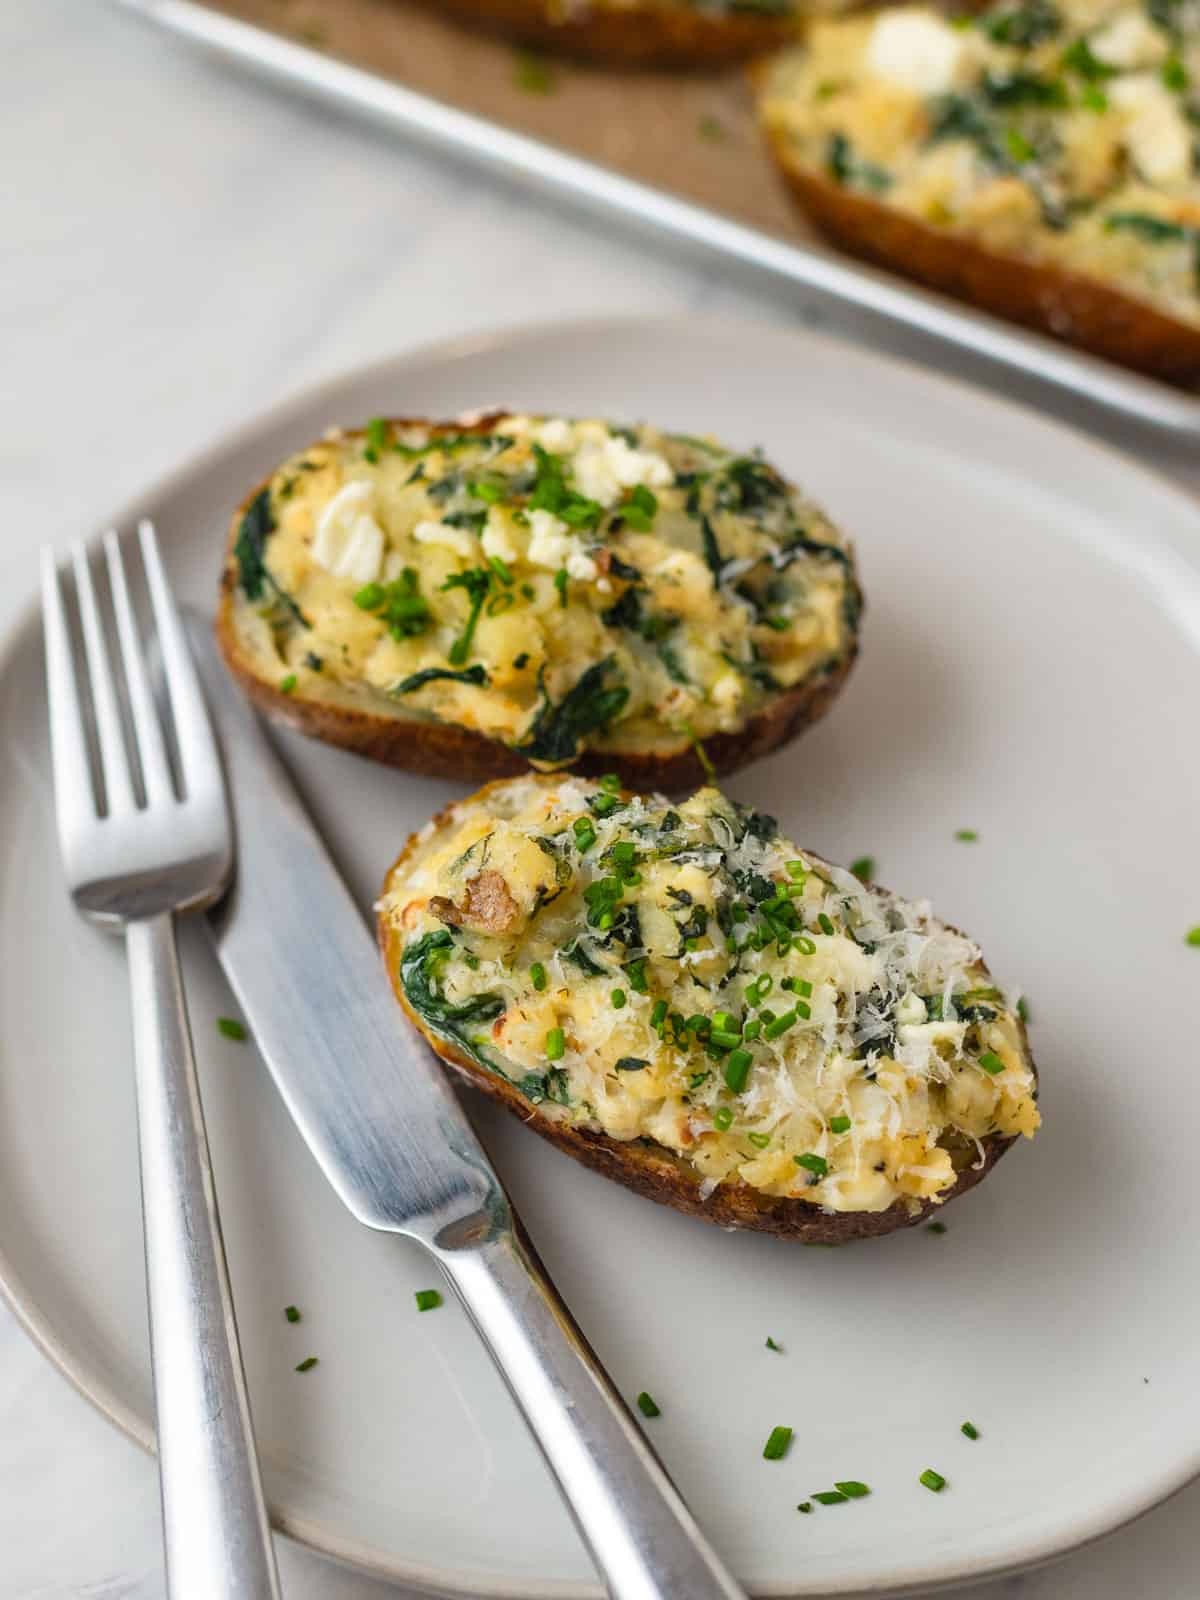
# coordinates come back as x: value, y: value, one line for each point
x: 644, y: 36
x: 652, y: 1170
x: 441, y: 750
x: 1078, y: 310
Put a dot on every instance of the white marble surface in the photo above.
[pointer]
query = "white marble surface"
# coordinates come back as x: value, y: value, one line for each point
x: 180, y: 247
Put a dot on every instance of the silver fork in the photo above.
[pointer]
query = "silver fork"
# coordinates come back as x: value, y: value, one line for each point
x: 133, y: 862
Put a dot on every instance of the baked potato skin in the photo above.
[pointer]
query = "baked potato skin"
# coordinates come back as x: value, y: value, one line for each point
x: 653, y: 1171
x: 440, y: 750
x: 1078, y: 310
x: 640, y: 35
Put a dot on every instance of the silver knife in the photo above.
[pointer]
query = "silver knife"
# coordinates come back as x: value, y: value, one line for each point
x: 387, y: 1131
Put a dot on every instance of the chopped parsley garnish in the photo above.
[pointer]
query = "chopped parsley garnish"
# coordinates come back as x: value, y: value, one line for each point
x: 971, y: 1431
x: 933, y: 1480
x: 231, y: 1028
x: 647, y: 1406
x: 813, y: 1163
x: 292, y: 1313
x: 778, y: 1444
x: 428, y: 1299
x: 307, y: 1364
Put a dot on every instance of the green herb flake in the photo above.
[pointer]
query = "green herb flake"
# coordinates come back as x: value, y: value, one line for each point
x: 971, y: 1431
x: 647, y: 1405
x: 966, y: 835
x: 1023, y: 1005
x: 839, y: 1124
x: 428, y: 1299
x: 537, y: 975
x: 1175, y: 75
x: 864, y: 869
x: 805, y: 1506
x: 830, y: 1497
x: 933, y: 1480
x: 533, y: 74
x: 779, y: 1442
x: 286, y: 685
x: 556, y: 1044
x: 722, y: 1119
x: 852, y: 1489
x: 991, y: 1063
x: 813, y: 1163
x: 1192, y: 937
x: 292, y: 1313
x: 231, y: 1028
x: 307, y: 1364
x: 771, y: 1345
x: 935, y: 1227
x: 376, y: 438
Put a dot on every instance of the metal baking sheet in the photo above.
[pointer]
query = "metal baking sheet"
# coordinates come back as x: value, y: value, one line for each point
x: 678, y: 152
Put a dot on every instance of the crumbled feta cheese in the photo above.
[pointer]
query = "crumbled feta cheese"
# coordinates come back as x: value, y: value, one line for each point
x: 348, y: 541
x: 554, y: 435
x: 459, y: 540
x: 496, y: 539
x: 917, y: 51
x: 727, y: 691
x: 911, y: 1009
x: 604, y: 468
x: 1155, y: 135
x: 553, y: 545
x: 1130, y: 40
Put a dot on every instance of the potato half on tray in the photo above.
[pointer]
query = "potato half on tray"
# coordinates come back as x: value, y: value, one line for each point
x: 473, y: 598
x: 1041, y: 159
x: 639, y: 33
x: 683, y: 999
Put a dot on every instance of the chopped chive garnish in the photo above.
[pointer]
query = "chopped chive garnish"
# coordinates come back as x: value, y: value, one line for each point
x: 292, y: 1313
x: 864, y: 868
x: 722, y: 1119
x: 376, y: 438
x: 771, y: 1345
x: 825, y: 925
x: 537, y: 975
x: 501, y: 569
x: 778, y: 1444
x: 1023, y: 1009
x: 307, y: 1364
x: 724, y: 1040
x: 804, y: 944
x: 659, y: 1014
x: 585, y: 834
x: 839, y: 1124
x: 1193, y: 936
x: 933, y: 1480
x: 971, y: 1431
x: 737, y: 1069
x: 231, y: 1028
x: 560, y: 583
x: 760, y: 1141
x: 830, y: 1497
x: 556, y: 1044
x: 428, y: 1299
x: 286, y: 685
x: 697, y: 1078
x: 852, y: 1489
x: 966, y: 835
x: 805, y: 1506
x: 796, y: 870
x: 636, y: 971
x: 813, y: 1163
x: 778, y: 1025
x: 935, y: 1227
x: 610, y: 781
x: 646, y: 1405
x: 991, y: 1062
x: 618, y: 999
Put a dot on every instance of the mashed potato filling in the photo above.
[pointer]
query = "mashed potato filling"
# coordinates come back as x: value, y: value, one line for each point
x: 552, y: 584
x: 1063, y: 131
x: 684, y: 974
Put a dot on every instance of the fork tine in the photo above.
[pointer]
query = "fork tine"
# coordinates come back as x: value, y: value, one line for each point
x: 73, y: 798
x: 114, y: 763
x: 197, y: 749
x: 147, y: 728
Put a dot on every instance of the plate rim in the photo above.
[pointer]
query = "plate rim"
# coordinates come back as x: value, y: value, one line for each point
x: 20, y: 632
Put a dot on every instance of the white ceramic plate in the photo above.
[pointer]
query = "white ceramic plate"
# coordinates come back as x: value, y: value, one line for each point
x: 1029, y: 670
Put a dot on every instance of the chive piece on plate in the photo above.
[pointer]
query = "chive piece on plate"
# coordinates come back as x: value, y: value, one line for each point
x: 231, y: 1028
x: 292, y: 1313
x: 805, y: 1506
x: 537, y: 975
x: 428, y: 1299
x: 814, y: 1163
x: 935, y: 1227
x: 778, y: 1444
x: 933, y: 1480
x: 771, y: 1345
x: 647, y: 1406
x: 966, y: 835
x: 852, y: 1489
x: 839, y: 1124
x: 971, y: 1431
x: 830, y: 1497
x: 307, y: 1364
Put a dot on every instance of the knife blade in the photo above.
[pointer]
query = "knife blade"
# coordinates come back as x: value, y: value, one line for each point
x: 386, y: 1129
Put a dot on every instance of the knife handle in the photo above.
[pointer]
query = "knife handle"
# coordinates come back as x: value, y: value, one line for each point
x: 642, y: 1537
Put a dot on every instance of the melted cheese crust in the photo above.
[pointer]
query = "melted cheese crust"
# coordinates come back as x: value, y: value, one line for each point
x: 1065, y: 132
x: 698, y: 583
x: 686, y: 975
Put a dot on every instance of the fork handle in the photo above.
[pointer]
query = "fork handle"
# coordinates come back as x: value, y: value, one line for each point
x: 216, y: 1535
x: 642, y: 1537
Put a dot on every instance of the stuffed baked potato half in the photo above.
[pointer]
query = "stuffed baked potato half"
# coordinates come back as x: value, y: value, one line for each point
x: 639, y: 33
x: 681, y: 998
x: 1040, y: 159
x: 471, y: 599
